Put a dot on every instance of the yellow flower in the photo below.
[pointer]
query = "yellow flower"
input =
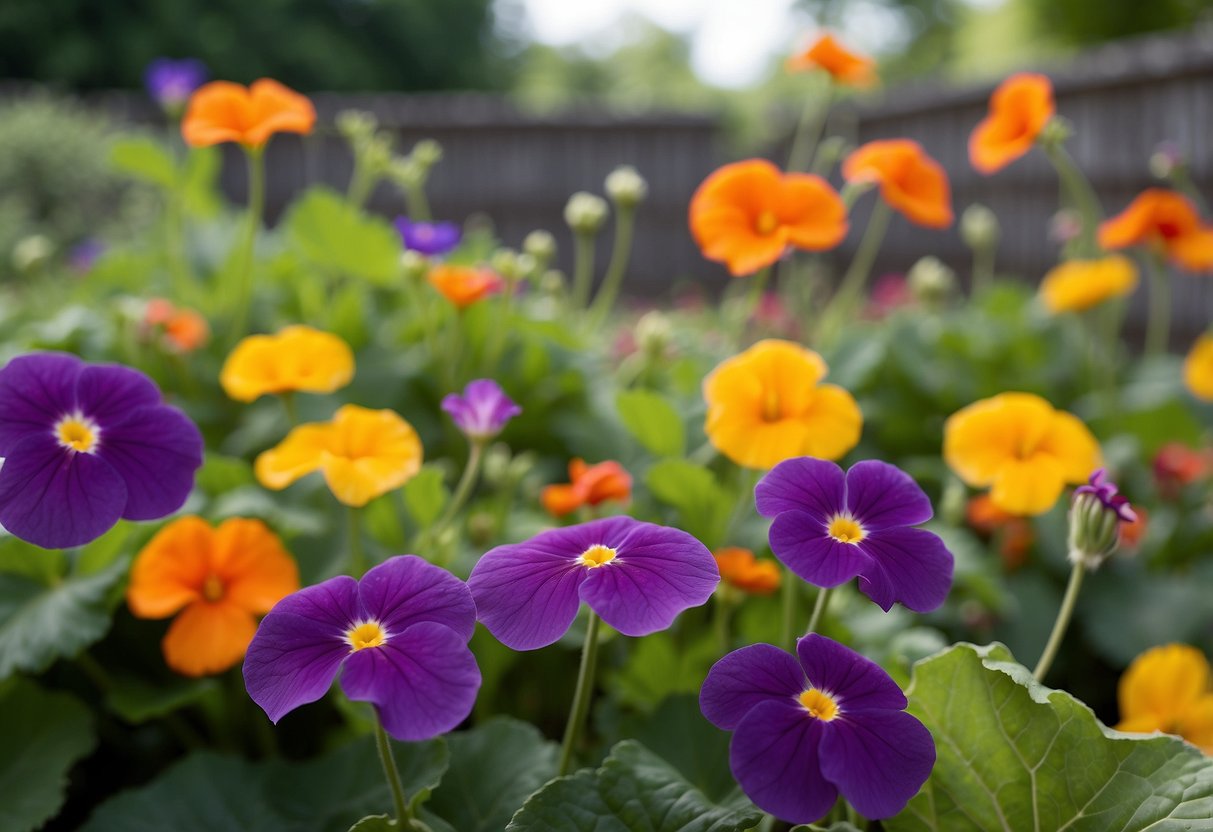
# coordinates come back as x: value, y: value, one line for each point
x: 363, y: 454
x: 1198, y: 368
x: 765, y: 405
x: 1020, y: 445
x: 1076, y: 285
x: 1169, y: 689
x: 298, y: 358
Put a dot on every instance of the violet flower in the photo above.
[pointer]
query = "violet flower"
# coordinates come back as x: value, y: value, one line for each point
x: 87, y: 444
x: 637, y: 576
x: 428, y: 238
x: 811, y: 726
x: 171, y: 82
x: 83, y: 256
x: 831, y: 527
x: 398, y: 637
x: 482, y: 411
x: 1105, y: 491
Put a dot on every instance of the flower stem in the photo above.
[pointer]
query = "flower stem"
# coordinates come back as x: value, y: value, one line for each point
x: 288, y: 405
x: 983, y: 269
x: 463, y: 490
x: 819, y: 608
x: 809, y: 128
x: 581, y: 697
x: 403, y: 815
x: 787, y: 633
x: 621, y: 252
x: 749, y: 304
x: 583, y: 268
x: 242, y: 291
x: 850, y: 289
x: 357, y: 559
x: 1081, y: 195
x: 1158, y: 325
x: 416, y: 203
x: 1062, y: 622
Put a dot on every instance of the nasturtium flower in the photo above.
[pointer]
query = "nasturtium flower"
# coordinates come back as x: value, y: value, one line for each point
x: 1198, y: 368
x: 1166, y: 222
x: 910, y: 181
x: 589, y: 485
x: 464, y: 285
x: 830, y: 527
x: 222, y: 111
x: 1078, y: 285
x: 739, y: 568
x: 765, y: 405
x: 1169, y: 689
x: 811, y: 726
x: 398, y: 638
x: 180, y: 330
x: 747, y: 214
x: 297, y: 359
x: 363, y: 454
x: 85, y: 445
x: 1017, y: 444
x: 636, y: 576
x: 843, y: 65
x: 215, y: 581
x: 171, y: 82
x: 428, y: 238
x: 482, y: 411
x: 1019, y: 110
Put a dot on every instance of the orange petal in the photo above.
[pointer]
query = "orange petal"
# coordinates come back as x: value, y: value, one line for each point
x: 843, y: 65
x: 812, y: 211
x: 559, y: 500
x: 910, y: 181
x: 169, y: 572
x: 1020, y: 108
x: 255, y: 569
x: 217, y: 112
x: 208, y: 638
x: 276, y: 109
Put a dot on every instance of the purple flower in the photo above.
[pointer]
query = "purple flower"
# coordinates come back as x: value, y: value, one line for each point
x: 428, y: 238
x: 831, y: 527
x: 399, y: 638
x: 1104, y: 490
x: 83, y: 256
x: 170, y: 83
x: 637, y: 576
x: 806, y: 730
x: 87, y: 444
x: 482, y: 411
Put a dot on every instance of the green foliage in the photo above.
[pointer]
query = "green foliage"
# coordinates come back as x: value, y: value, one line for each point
x: 426, y: 496
x: 653, y: 421
x: 703, y: 504
x: 335, y: 237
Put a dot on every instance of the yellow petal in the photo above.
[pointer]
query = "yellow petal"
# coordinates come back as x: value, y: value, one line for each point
x: 314, y: 361
x: 1196, y: 724
x: 1163, y: 683
x: 1072, y: 445
x: 371, y: 452
x: 250, y: 370
x: 1076, y: 285
x: 1027, y: 486
x: 1198, y: 368
x: 834, y: 423
x: 302, y: 451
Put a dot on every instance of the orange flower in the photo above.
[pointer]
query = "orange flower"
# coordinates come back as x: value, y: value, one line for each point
x: 1166, y: 221
x: 1177, y: 465
x: 739, y: 568
x: 910, y: 180
x: 464, y: 285
x: 1198, y: 368
x: 218, y: 579
x: 1013, y: 533
x: 1019, y: 109
x: 1078, y: 285
x: 843, y: 65
x: 1132, y: 532
x: 225, y: 112
x: 588, y: 485
x: 746, y: 214
x: 182, y: 330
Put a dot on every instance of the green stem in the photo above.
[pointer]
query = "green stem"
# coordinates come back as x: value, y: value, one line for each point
x: 1158, y: 325
x: 749, y: 305
x: 1082, y: 196
x: 357, y: 557
x: 583, y: 269
x: 621, y: 252
x: 403, y: 815
x: 362, y: 183
x: 721, y: 613
x: 850, y: 290
x: 819, y: 608
x: 788, y: 631
x: 808, y: 130
x: 289, y: 407
x: 242, y: 291
x: 1062, y: 622
x: 417, y: 204
x: 463, y: 490
x: 498, y: 338
x: 582, y: 695
x: 983, y: 269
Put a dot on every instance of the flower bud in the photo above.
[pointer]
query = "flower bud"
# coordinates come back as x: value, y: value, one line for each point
x: 979, y: 227
x: 552, y: 283
x: 32, y: 252
x: 1055, y: 132
x: 414, y: 264
x: 626, y: 187
x: 931, y: 281
x: 356, y: 124
x: 496, y: 465
x: 505, y: 262
x: 1064, y: 226
x: 541, y: 245
x: 653, y: 333
x: 427, y: 153
x: 1165, y: 160
x: 1096, y: 513
x: 585, y: 212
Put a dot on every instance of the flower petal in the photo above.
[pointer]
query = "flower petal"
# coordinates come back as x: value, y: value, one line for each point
x: 256, y: 571
x: 908, y: 565
x: 815, y: 487
x: 56, y: 498
x: 35, y: 392
x: 800, y: 541
x: 880, y: 495
x: 423, y: 682
x: 156, y: 451
x: 299, y: 454
x: 300, y: 645
x: 107, y: 393
x: 746, y: 677
x: 854, y: 681
x: 1028, y: 486
x: 878, y: 762
x: 208, y: 638
x: 171, y: 569
x: 407, y: 590
x: 775, y: 757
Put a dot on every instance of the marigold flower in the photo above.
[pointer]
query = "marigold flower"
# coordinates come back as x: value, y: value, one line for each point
x: 171, y: 82
x: 362, y: 453
x: 739, y: 568
x: 225, y: 112
x: 428, y: 238
x: 832, y: 527
x: 766, y: 405
x: 86, y: 444
x: 588, y: 485
x: 746, y: 214
x: 810, y: 726
x: 398, y: 638
x: 482, y: 411
x: 1018, y: 444
x: 1077, y: 285
x: 1166, y: 221
x: 1198, y: 368
x: 464, y: 285
x: 1169, y: 689
x: 637, y: 576
x: 910, y: 181
x: 1020, y: 108
x: 296, y: 359
x: 215, y: 581
x: 844, y: 66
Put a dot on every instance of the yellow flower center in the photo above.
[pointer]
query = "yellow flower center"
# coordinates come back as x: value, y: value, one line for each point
x: 212, y: 588
x: 77, y: 433
x: 367, y: 634
x: 844, y: 529
x: 597, y: 555
x: 772, y: 409
x: 766, y: 223
x: 819, y: 704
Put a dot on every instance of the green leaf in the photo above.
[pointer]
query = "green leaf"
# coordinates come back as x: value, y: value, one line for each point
x: 703, y: 504
x: 653, y: 421
x: 633, y: 791
x: 220, y: 474
x: 41, y: 623
x: 656, y: 668
x: 44, y: 732
x: 330, y: 233
x: 137, y: 700
x: 1015, y: 755
x: 426, y: 496
x: 375, y: 823
x: 144, y: 159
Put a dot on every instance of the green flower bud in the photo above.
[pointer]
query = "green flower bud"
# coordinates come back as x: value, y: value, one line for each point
x: 356, y: 124
x: 31, y: 253
x: 505, y: 262
x: 496, y: 465
x: 427, y: 153
x: 653, y: 334
x: 414, y: 264
x: 541, y: 245
x: 1055, y: 132
x: 552, y: 283
x: 585, y: 212
x: 931, y: 281
x: 979, y: 227
x: 1096, y: 513
x: 626, y: 187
